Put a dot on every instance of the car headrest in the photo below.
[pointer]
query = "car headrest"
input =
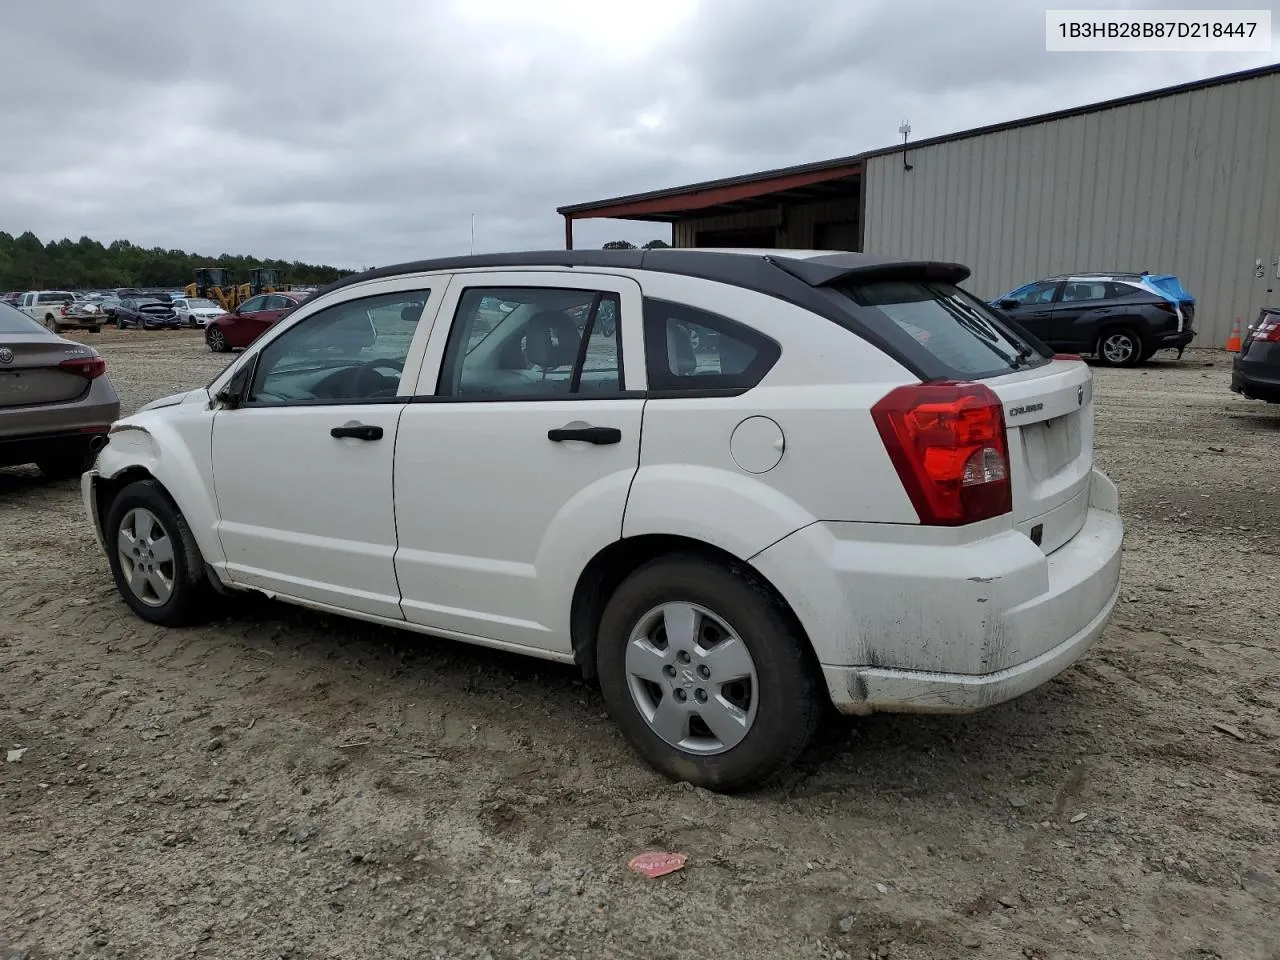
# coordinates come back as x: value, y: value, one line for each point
x: 551, y: 340
x: 681, y: 358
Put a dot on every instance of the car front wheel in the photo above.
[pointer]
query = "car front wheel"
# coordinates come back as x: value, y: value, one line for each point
x: 217, y: 340
x: 1119, y: 347
x: 154, y: 558
x: 707, y: 674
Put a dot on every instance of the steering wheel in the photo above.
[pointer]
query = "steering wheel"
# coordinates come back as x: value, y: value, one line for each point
x: 362, y: 381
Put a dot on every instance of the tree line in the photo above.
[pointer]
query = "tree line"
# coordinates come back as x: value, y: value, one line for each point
x: 628, y: 245
x: 85, y: 264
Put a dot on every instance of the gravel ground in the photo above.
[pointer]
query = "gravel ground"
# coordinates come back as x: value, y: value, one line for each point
x: 285, y: 784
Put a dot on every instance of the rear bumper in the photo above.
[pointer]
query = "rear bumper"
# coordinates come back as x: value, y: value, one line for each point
x: 937, y: 628
x: 1175, y: 340
x: 94, y: 412
x: 1257, y: 374
x: 31, y: 448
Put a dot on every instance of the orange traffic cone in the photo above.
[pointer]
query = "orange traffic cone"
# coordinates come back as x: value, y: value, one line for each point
x: 1233, y: 341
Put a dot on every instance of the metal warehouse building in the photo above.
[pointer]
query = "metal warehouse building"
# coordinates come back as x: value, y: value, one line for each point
x: 1179, y: 180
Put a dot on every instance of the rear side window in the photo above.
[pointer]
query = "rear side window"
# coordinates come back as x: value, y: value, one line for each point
x: 1126, y: 291
x: 955, y: 329
x: 691, y: 349
x: 55, y: 298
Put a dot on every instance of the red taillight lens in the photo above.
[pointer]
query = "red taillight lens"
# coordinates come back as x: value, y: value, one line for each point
x: 948, y: 444
x: 64, y: 309
x: 1268, y: 330
x: 88, y: 367
x: 1068, y: 356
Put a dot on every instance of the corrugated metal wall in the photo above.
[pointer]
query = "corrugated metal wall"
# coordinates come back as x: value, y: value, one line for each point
x: 795, y: 230
x: 1187, y: 184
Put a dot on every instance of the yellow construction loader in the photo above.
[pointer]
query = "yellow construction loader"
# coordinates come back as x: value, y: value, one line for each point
x: 214, y: 283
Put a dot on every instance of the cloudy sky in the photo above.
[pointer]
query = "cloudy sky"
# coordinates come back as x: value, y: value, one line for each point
x: 364, y: 132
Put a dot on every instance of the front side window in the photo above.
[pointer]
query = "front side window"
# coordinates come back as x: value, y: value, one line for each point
x: 351, y: 352
x: 691, y: 349
x: 530, y: 342
x: 1033, y: 293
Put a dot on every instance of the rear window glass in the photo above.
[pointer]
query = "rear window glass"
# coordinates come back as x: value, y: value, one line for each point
x: 955, y: 329
x: 15, y: 321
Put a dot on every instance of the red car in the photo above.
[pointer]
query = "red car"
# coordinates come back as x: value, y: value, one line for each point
x: 238, y: 329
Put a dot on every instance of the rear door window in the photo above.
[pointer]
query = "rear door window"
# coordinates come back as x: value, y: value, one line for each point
x: 952, y: 327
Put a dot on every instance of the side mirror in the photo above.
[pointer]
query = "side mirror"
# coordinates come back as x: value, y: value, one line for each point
x: 229, y: 397
x: 1008, y: 304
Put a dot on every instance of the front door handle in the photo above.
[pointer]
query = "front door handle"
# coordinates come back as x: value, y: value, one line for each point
x: 358, y: 431
x: 597, y: 435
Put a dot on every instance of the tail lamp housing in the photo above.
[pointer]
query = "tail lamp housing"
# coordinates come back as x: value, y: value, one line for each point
x: 88, y: 367
x: 1267, y: 329
x: 949, y: 445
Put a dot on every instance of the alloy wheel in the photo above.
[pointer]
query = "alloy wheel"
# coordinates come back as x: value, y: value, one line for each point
x: 1118, y: 348
x: 692, y: 678
x: 145, y: 550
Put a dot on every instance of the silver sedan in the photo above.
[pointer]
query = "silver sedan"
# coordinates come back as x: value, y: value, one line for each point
x: 56, y: 402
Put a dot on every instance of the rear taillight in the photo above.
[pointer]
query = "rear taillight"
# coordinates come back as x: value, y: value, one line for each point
x: 1267, y: 330
x: 88, y: 367
x: 64, y: 309
x: 948, y: 444
x: 1068, y: 356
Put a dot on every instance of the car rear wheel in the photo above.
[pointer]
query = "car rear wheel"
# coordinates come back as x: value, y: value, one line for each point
x: 154, y: 558
x: 1119, y: 347
x: 707, y: 674
x: 217, y: 340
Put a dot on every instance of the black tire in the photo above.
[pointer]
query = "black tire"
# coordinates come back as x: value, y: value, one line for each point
x: 790, y: 698
x: 65, y: 464
x: 188, y: 601
x: 216, y: 340
x: 1119, y: 347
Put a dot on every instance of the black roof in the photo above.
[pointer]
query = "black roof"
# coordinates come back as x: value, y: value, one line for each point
x: 766, y: 272
x: 839, y: 162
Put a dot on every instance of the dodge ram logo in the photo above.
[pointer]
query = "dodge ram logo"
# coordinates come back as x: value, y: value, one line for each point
x: 6, y: 355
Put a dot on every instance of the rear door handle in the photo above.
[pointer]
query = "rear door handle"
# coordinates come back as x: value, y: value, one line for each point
x: 358, y: 431
x: 597, y: 435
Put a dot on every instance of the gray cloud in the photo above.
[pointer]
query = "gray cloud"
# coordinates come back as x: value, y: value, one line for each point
x: 367, y: 133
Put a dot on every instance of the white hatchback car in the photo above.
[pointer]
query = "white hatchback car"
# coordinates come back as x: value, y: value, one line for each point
x: 780, y: 480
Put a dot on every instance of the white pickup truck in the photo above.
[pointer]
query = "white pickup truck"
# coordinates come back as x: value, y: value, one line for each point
x: 61, y: 310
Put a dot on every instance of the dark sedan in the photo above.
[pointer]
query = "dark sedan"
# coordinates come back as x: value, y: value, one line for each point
x: 146, y: 314
x: 1255, y: 372
x: 56, y: 403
